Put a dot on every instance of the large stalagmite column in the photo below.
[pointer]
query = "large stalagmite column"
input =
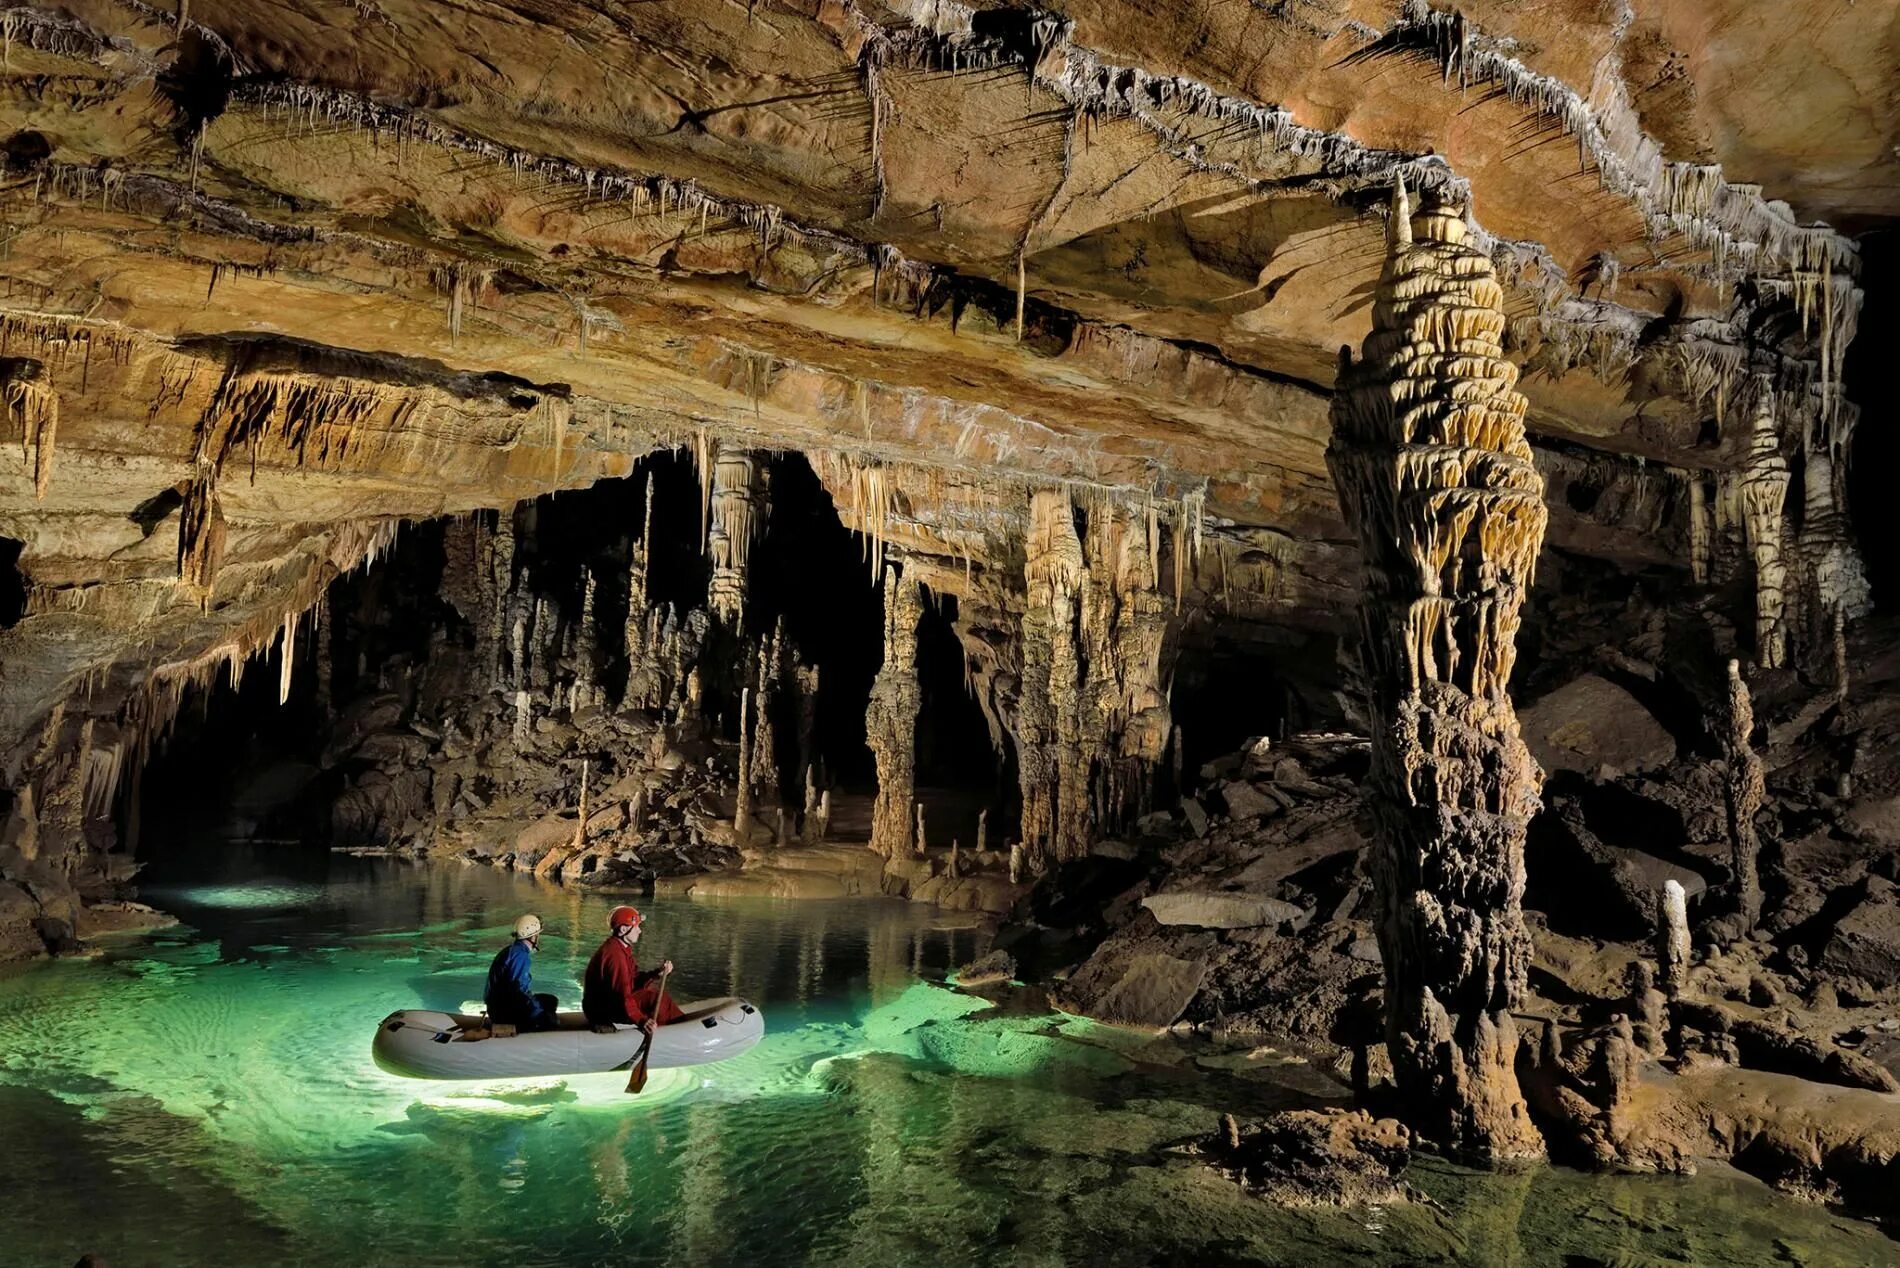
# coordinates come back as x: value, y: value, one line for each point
x: 1433, y: 472
x: 738, y: 512
x: 1764, y: 489
x: 890, y: 720
x: 1743, y: 792
x: 1052, y: 767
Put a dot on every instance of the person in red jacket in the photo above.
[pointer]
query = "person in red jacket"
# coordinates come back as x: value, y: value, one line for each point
x: 615, y: 990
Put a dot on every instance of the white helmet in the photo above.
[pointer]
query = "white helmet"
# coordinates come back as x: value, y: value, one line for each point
x: 527, y: 927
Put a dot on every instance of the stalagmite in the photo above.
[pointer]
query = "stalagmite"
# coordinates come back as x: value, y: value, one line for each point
x: 524, y: 719
x: 501, y: 585
x: 782, y: 833
x: 1743, y: 792
x: 1433, y: 472
x: 738, y: 511
x: 1047, y: 717
x: 1838, y: 636
x: 1015, y: 862
x: 982, y: 830
x: 1699, y: 527
x: 586, y: 648
x: 954, y: 867
x: 1763, y: 491
x: 810, y: 822
x: 817, y: 834
x: 1672, y: 937
x: 742, y: 801
x: 764, y: 735
x: 806, y: 678
x: 890, y: 719
x: 920, y: 840
x: 580, y: 822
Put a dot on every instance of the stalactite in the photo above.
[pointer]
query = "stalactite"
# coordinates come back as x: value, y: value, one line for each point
x: 201, y: 533
x: 286, y: 665
x: 1763, y: 492
x: 891, y: 716
x: 1836, y: 580
x: 1433, y: 472
x: 738, y: 510
x: 1743, y: 792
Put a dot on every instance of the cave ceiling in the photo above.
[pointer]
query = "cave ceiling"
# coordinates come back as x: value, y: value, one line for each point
x: 350, y: 263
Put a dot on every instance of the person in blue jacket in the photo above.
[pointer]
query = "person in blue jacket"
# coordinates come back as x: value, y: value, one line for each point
x: 510, y: 995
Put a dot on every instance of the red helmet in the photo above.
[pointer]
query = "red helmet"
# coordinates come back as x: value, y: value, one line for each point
x: 623, y: 916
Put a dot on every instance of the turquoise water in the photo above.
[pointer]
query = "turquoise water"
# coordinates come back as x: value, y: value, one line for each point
x: 204, y: 1095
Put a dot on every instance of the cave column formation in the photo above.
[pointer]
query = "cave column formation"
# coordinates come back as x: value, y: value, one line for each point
x: 1434, y: 474
x: 1763, y: 491
x: 1743, y: 791
x: 891, y: 716
x: 738, y: 511
x: 1049, y: 750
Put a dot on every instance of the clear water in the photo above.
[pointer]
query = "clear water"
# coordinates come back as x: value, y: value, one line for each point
x: 204, y: 1096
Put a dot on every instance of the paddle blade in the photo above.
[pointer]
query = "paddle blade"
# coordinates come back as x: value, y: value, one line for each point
x: 637, y: 1077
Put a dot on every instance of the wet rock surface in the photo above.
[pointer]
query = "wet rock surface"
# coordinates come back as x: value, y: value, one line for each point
x: 1317, y: 1158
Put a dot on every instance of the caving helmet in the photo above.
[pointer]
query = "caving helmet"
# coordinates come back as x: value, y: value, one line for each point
x: 528, y: 927
x: 621, y: 917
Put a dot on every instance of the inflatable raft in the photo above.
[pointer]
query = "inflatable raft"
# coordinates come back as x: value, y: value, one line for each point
x: 423, y: 1044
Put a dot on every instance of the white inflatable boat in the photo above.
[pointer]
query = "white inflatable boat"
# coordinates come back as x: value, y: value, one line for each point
x: 424, y: 1044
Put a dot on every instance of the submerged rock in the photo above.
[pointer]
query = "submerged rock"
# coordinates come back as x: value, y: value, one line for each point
x: 1317, y: 1158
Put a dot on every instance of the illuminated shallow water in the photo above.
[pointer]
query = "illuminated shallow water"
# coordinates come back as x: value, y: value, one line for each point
x: 205, y: 1096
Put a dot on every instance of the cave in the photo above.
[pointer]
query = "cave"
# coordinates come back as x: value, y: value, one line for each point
x: 897, y: 633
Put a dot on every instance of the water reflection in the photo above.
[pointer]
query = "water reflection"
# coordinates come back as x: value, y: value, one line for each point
x: 217, y: 1078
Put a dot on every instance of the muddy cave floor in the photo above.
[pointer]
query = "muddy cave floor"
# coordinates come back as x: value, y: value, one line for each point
x: 1243, y: 912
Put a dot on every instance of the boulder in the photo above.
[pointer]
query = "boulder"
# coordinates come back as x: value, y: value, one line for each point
x: 549, y: 832
x: 1244, y: 801
x: 1591, y: 723
x: 994, y: 969
x: 1152, y: 990
x: 1212, y: 910
x: 1141, y: 975
x: 1865, y: 944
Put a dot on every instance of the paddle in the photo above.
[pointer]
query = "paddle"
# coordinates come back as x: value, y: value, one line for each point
x: 638, y: 1078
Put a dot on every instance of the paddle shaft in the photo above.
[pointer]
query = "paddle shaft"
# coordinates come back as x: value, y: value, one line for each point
x: 637, y: 1077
